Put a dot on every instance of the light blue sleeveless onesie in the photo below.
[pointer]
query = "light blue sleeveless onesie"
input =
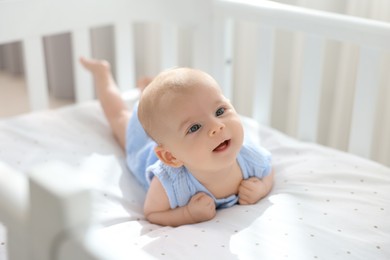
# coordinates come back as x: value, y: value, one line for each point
x: 180, y: 185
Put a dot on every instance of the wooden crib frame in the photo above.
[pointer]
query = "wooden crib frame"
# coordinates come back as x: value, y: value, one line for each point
x: 212, y: 30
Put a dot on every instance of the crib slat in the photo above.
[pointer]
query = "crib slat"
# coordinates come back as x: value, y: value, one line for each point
x: 223, y: 53
x: 81, y: 44
x: 124, y: 55
x: 218, y: 46
x: 202, y: 49
x: 169, y: 45
x: 35, y: 73
x: 363, y: 114
x: 264, y: 76
x: 309, y: 103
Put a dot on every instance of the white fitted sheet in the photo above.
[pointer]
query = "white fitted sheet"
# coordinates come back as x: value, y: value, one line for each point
x: 325, y: 204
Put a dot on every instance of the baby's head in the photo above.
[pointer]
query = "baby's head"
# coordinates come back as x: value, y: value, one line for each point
x: 183, y: 109
x: 159, y: 98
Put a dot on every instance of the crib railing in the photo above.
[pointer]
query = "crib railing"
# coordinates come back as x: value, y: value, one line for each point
x: 37, y: 19
x: 212, y: 28
x: 372, y: 37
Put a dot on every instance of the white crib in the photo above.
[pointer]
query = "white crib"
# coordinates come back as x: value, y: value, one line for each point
x: 49, y: 215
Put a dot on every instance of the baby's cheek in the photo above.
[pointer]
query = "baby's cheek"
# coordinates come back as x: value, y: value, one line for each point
x: 240, y: 132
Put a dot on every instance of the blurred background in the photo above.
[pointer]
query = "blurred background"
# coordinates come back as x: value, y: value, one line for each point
x: 335, y: 86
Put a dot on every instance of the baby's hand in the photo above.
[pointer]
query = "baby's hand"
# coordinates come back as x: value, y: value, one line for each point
x: 251, y: 191
x: 201, y: 207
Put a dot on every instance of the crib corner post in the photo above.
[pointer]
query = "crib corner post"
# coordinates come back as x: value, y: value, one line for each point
x: 14, y: 211
x: 60, y: 205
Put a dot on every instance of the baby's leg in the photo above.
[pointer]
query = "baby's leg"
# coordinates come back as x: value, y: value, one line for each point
x: 109, y: 96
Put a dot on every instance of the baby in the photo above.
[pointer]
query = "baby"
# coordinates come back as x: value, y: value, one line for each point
x: 185, y: 144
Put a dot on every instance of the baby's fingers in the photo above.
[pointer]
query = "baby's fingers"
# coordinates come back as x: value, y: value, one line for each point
x: 245, y: 188
x: 198, y: 196
x: 243, y: 199
x: 251, y: 182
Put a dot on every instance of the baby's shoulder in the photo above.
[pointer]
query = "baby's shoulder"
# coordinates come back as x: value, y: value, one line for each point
x: 252, y: 151
x: 254, y: 160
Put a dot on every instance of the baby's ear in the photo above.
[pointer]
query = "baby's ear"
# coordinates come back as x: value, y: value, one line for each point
x: 167, y: 158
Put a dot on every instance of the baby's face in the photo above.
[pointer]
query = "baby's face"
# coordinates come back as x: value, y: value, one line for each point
x: 202, y: 129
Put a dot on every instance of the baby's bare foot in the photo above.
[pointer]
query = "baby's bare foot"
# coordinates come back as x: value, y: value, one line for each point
x: 96, y: 67
x: 101, y: 71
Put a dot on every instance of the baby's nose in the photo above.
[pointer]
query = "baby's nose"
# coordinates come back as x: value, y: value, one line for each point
x: 216, y: 129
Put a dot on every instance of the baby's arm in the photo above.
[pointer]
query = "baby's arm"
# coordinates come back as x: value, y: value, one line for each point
x: 157, y: 209
x: 253, y: 189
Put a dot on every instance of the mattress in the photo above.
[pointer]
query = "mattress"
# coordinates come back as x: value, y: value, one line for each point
x: 325, y: 204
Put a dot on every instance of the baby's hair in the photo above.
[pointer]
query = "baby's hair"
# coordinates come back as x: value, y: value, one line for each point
x: 159, y: 92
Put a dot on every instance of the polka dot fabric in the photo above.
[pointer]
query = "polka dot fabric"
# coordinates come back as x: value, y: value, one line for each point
x: 325, y: 204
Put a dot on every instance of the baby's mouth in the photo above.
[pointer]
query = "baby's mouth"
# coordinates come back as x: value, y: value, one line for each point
x: 222, y: 146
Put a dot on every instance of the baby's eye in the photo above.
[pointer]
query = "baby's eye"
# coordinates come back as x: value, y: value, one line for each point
x: 220, y: 111
x: 194, y: 128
